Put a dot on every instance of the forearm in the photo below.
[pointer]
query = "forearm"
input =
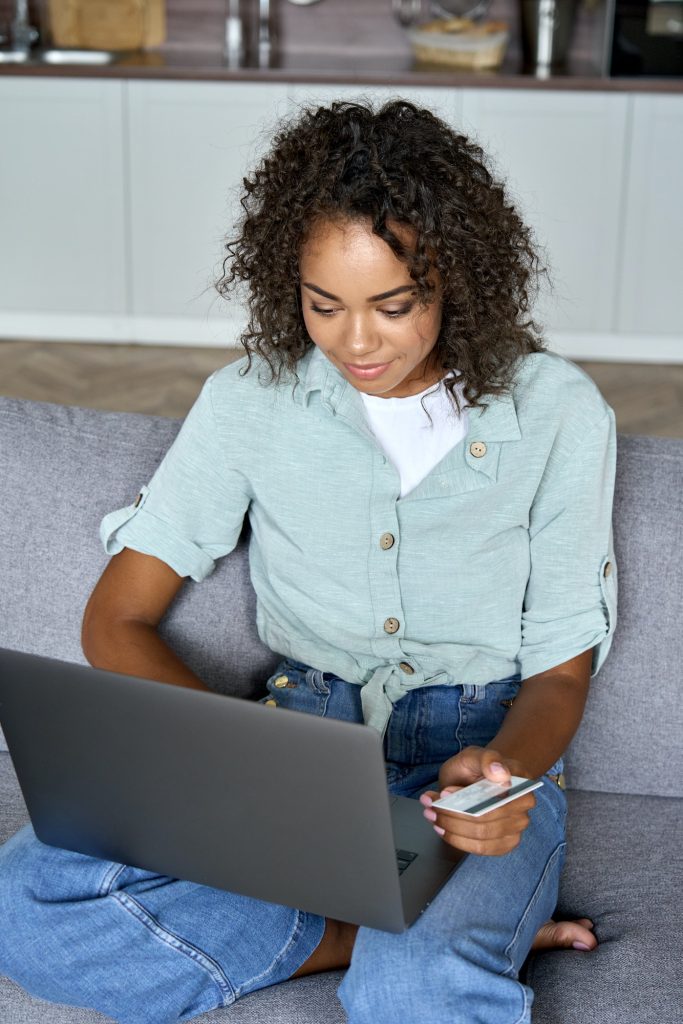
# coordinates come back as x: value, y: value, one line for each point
x: 540, y: 725
x: 135, y: 648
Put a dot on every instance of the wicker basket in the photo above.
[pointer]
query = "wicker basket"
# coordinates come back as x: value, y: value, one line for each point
x: 461, y: 43
x: 107, y: 24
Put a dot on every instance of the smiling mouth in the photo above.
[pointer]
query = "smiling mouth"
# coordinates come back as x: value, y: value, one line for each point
x: 366, y: 370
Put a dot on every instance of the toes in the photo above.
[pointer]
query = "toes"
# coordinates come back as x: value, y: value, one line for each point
x: 566, y: 935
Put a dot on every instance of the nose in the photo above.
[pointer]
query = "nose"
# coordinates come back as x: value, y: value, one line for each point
x: 360, y: 339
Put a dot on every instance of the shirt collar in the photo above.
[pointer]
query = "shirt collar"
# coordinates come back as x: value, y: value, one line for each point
x: 497, y: 422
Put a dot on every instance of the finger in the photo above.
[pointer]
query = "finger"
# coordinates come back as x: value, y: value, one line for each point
x: 484, y: 831
x: 493, y: 767
x: 427, y: 799
x: 491, y: 848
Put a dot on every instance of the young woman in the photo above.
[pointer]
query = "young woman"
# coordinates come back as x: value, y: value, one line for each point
x: 429, y: 492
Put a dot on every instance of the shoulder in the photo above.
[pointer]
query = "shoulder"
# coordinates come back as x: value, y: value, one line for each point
x: 245, y: 404
x: 555, y: 398
x: 243, y: 387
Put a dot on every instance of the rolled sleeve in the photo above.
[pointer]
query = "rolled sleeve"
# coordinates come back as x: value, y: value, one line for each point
x: 192, y: 510
x: 570, y: 604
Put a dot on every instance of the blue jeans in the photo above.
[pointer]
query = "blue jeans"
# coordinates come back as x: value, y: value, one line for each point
x: 149, y: 949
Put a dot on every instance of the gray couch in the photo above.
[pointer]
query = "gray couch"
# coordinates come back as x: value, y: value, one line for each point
x: 62, y: 468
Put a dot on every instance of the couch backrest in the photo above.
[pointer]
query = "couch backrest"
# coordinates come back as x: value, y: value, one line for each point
x: 62, y: 468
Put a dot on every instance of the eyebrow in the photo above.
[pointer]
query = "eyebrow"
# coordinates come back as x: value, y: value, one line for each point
x: 372, y: 298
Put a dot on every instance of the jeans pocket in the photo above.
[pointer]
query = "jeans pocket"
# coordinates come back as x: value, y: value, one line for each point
x: 297, y: 687
x: 481, y: 719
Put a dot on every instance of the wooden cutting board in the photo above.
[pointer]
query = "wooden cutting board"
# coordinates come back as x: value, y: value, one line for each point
x: 108, y: 24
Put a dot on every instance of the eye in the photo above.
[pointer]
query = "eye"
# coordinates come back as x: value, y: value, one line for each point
x: 394, y: 313
x: 323, y: 312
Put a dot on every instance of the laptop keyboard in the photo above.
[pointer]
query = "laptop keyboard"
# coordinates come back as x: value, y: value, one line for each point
x: 404, y: 858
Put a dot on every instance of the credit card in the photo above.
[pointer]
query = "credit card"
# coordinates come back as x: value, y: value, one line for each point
x: 484, y: 796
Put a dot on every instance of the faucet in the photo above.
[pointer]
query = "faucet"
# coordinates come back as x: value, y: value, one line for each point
x: 22, y: 33
x: 249, y: 32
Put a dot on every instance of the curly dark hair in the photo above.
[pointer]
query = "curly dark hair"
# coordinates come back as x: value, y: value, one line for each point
x: 398, y: 163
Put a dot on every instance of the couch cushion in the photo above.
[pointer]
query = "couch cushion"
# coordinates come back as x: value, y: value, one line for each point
x: 624, y: 860
x: 623, y: 870
x: 631, y: 731
x: 62, y: 469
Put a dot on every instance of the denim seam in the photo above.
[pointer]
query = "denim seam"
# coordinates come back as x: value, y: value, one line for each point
x: 295, y: 933
x: 458, y: 727
x: 549, y: 863
x: 109, y: 879
x: 213, y: 969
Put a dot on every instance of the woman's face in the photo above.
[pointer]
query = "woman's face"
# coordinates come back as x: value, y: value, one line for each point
x: 360, y: 308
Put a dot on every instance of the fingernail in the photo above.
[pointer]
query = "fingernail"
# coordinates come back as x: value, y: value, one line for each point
x: 430, y: 815
x: 581, y: 945
x: 439, y: 831
x: 426, y: 801
x: 497, y: 767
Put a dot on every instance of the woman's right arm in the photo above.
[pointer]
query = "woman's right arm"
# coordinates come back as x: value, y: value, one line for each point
x: 119, y: 630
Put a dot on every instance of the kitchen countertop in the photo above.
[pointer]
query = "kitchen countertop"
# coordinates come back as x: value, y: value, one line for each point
x: 202, y: 64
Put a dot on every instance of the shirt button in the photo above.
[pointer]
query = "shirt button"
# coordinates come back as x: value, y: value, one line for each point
x: 271, y: 703
x: 386, y: 541
x: 391, y: 625
x: 406, y: 667
x: 281, y: 681
x: 608, y: 569
x: 478, y: 448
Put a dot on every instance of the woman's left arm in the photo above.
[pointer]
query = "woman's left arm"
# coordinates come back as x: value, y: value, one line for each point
x: 537, y: 729
x: 545, y: 714
x: 569, y: 604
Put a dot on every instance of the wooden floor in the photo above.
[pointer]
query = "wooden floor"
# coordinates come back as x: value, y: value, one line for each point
x: 647, y: 398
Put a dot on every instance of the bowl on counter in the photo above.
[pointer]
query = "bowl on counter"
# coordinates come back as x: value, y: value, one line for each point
x: 460, y: 42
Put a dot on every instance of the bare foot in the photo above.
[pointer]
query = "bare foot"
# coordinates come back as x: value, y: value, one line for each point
x: 566, y: 935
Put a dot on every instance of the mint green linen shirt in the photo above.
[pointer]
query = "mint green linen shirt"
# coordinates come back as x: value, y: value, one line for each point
x: 499, y: 562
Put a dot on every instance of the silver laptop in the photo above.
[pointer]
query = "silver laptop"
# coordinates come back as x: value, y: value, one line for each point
x: 270, y: 803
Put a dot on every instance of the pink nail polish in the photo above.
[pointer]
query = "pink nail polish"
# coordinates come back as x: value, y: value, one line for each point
x: 439, y: 831
x: 425, y: 800
x: 430, y: 815
x: 581, y: 945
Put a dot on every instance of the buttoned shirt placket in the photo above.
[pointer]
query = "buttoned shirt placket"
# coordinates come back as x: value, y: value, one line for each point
x: 398, y: 675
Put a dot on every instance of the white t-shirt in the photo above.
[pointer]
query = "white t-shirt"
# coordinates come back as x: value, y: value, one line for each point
x: 404, y: 432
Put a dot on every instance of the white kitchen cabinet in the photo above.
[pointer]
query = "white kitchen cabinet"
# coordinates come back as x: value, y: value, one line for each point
x: 564, y: 156
x: 116, y: 197
x: 649, y: 299
x: 190, y: 144
x: 445, y: 103
x: 61, y: 199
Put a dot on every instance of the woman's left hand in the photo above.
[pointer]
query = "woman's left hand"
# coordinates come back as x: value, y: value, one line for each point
x: 491, y: 834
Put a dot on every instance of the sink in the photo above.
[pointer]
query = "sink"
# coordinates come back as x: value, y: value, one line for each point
x: 75, y: 56
x: 56, y: 56
x: 13, y: 57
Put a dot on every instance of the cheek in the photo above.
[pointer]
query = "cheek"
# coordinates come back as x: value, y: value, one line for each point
x: 314, y: 325
x: 427, y: 325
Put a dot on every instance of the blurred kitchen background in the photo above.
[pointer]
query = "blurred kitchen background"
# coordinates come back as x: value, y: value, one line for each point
x: 126, y: 127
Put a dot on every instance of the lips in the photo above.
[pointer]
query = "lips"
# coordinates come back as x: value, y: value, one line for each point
x: 366, y: 371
